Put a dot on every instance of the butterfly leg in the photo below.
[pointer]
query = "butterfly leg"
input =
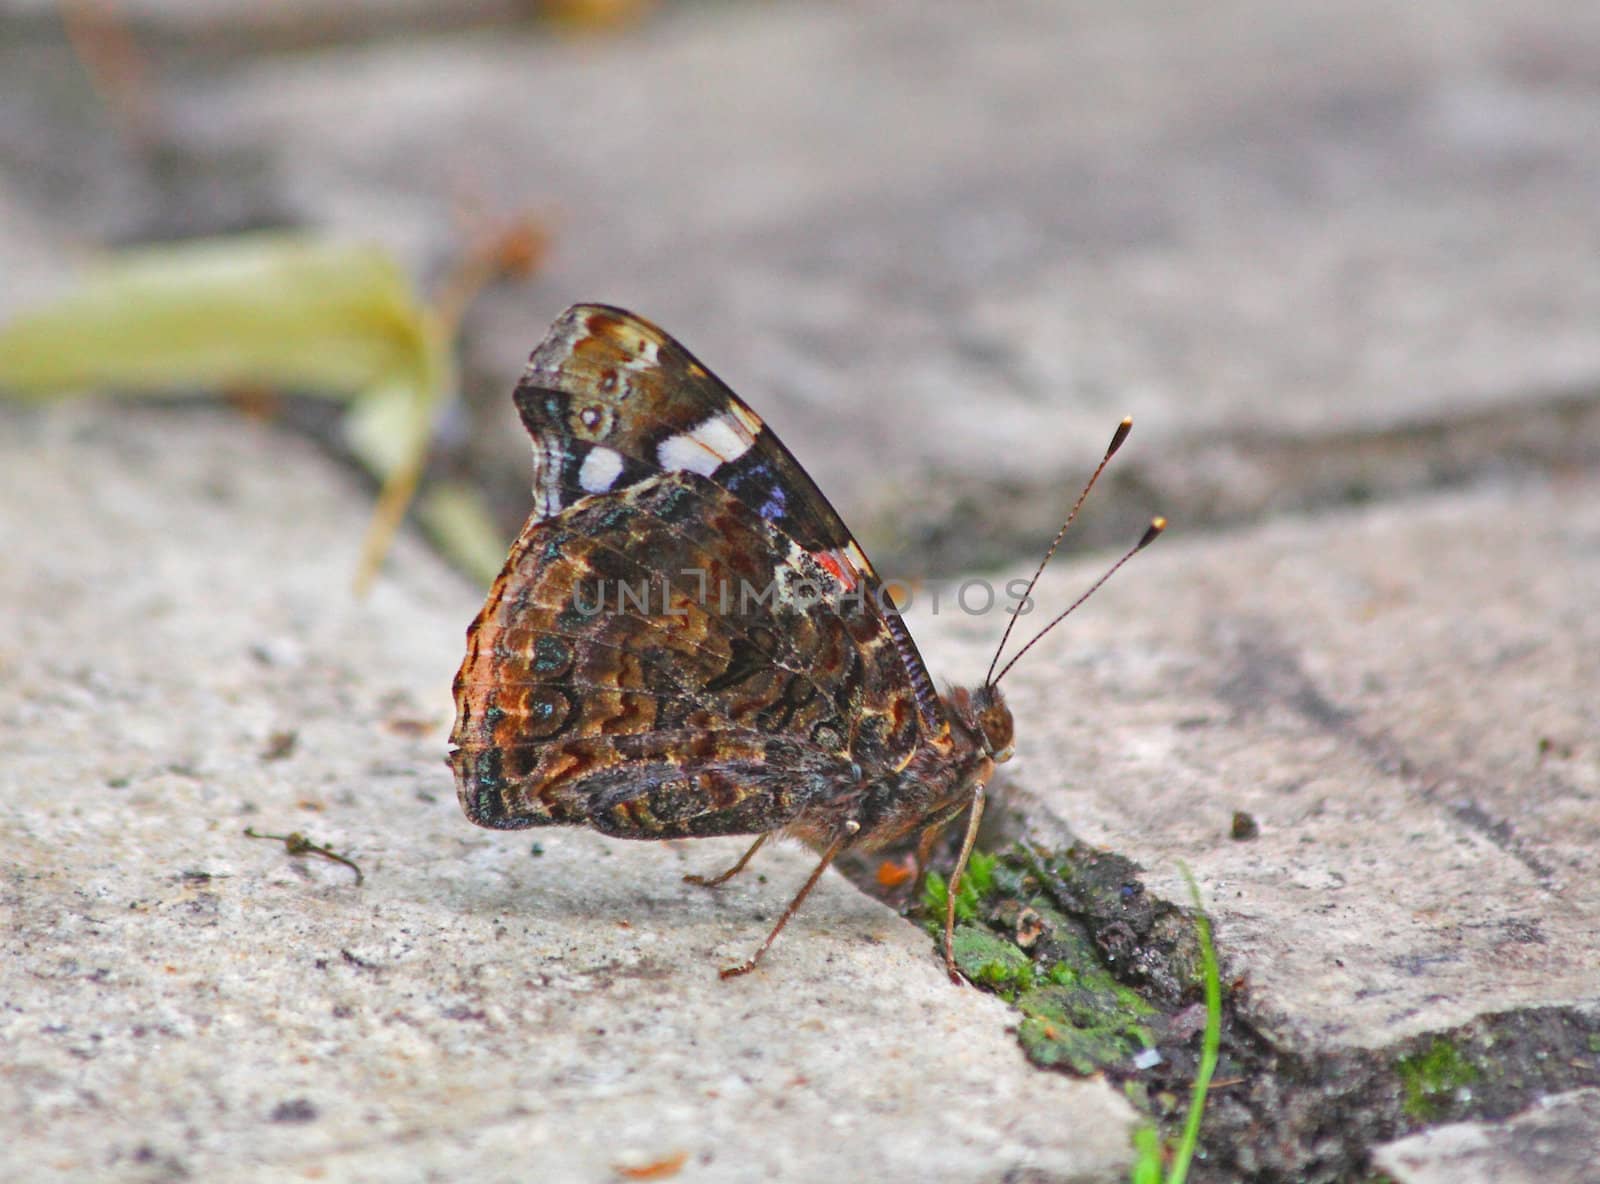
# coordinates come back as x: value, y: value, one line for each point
x: 724, y: 877
x: 927, y: 840
x: 828, y: 856
x: 971, y: 837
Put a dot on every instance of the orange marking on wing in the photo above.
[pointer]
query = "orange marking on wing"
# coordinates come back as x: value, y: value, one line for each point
x: 841, y: 567
x: 558, y: 769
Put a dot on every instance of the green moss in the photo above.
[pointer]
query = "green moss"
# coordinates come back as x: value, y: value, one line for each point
x: 976, y: 884
x: 1083, y: 1050
x: 980, y: 873
x: 1076, y: 1015
x: 1080, y: 1018
x: 992, y: 962
x: 1061, y: 975
x: 1432, y: 1077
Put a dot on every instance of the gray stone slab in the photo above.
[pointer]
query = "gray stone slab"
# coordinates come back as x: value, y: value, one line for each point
x: 1555, y: 1142
x: 941, y: 253
x: 1403, y: 698
x: 240, y: 25
x: 182, y: 659
x: 1321, y: 251
x: 33, y: 254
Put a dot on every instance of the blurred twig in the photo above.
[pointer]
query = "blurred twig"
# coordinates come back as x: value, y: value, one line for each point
x: 116, y: 66
x: 510, y: 250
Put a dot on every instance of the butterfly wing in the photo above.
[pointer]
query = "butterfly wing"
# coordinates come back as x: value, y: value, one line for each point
x: 751, y: 668
x: 610, y: 399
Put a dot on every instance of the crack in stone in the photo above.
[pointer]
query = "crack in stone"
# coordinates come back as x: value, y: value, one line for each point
x: 1265, y: 670
x: 962, y: 521
x: 1281, y: 1113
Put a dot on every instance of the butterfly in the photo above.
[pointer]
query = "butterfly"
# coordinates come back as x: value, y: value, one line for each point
x: 686, y: 641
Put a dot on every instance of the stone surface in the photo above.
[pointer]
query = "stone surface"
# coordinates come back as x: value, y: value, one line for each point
x: 1327, y: 254
x: 943, y: 252
x: 1555, y: 1142
x: 31, y: 249
x: 1402, y: 697
x: 238, y: 24
x: 183, y: 659
x: 1270, y: 231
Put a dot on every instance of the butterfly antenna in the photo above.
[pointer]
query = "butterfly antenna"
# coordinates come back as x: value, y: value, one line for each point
x: 1117, y: 438
x: 1157, y: 525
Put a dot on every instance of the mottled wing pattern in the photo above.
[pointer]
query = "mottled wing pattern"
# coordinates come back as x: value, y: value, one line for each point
x: 684, y: 707
x: 581, y: 398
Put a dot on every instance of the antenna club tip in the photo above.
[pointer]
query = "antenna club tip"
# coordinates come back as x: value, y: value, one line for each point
x: 1119, y: 436
x: 1153, y: 532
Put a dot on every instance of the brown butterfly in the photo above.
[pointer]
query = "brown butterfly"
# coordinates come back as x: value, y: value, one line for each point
x: 686, y: 641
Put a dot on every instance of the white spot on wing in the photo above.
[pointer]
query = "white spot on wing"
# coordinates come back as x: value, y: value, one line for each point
x: 724, y: 435
x: 707, y: 446
x: 546, y: 477
x: 599, y: 470
x: 682, y: 452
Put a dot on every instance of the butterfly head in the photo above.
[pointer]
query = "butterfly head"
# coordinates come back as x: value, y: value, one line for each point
x: 984, y: 713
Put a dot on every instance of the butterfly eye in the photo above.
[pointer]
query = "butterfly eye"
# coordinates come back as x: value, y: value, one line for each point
x: 995, y: 724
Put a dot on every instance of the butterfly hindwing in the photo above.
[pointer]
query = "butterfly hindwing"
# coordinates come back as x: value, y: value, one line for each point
x: 558, y: 654
x: 677, y: 783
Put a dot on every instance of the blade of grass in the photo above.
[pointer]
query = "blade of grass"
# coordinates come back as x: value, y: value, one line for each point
x: 1211, y: 1041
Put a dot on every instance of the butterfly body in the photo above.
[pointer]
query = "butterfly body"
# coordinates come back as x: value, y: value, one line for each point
x: 685, y: 640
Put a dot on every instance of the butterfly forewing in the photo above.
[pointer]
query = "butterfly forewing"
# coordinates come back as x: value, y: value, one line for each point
x: 609, y: 399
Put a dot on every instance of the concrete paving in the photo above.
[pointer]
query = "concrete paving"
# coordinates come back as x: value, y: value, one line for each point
x: 1263, y: 230
x: 1556, y: 1142
x: 1402, y: 697
x: 180, y: 1001
x: 1338, y: 260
